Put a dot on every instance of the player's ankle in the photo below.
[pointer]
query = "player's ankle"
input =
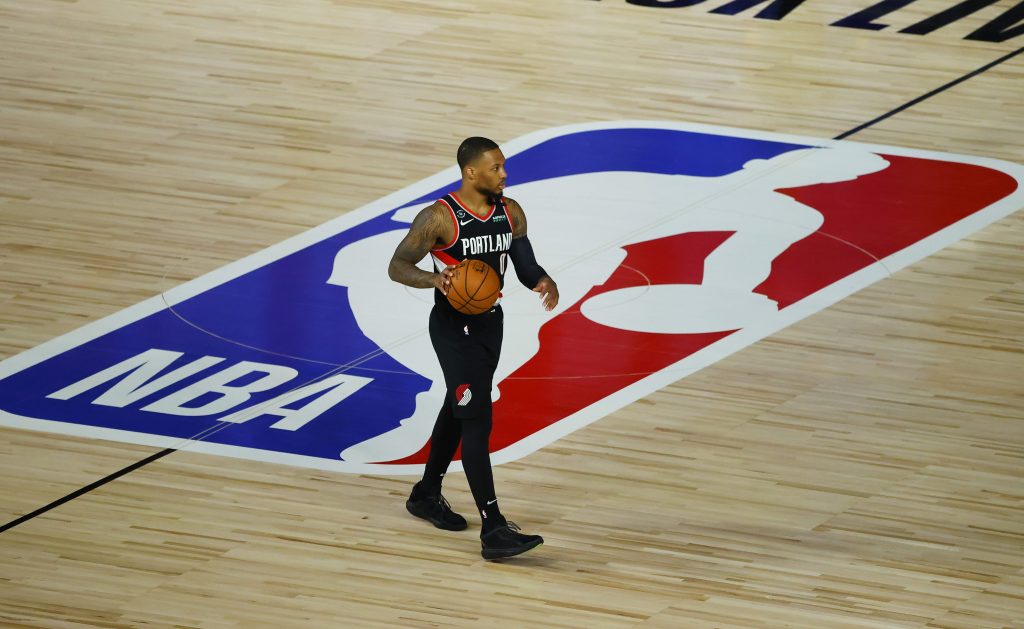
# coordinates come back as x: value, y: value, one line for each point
x: 491, y: 518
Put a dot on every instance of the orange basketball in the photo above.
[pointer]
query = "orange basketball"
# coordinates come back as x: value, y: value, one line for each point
x: 475, y: 287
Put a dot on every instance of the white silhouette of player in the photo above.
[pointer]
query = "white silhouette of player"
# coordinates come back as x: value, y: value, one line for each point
x: 581, y: 223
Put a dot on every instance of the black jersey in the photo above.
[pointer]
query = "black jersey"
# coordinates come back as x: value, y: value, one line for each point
x: 486, y: 238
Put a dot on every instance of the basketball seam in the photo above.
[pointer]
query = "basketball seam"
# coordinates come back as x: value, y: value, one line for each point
x: 459, y: 294
x: 488, y: 296
x: 483, y: 278
x: 467, y: 298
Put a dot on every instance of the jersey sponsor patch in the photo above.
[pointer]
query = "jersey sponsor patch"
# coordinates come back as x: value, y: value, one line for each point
x: 673, y: 246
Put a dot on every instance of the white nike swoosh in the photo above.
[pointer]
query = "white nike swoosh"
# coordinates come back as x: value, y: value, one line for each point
x: 465, y: 222
x: 490, y: 502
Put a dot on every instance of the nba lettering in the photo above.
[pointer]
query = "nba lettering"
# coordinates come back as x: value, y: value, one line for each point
x: 674, y: 246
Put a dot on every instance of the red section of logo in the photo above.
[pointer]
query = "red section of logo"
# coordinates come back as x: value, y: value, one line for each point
x: 537, y: 394
x: 866, y: 219
x: 881, y: 214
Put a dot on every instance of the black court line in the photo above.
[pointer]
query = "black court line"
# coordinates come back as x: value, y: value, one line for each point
x: 938, y: 90
x: 84, y: 490
x: 163, y: 453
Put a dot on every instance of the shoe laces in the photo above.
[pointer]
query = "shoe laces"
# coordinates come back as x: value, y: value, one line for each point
x: 509, y: 526
x: 443, y: 502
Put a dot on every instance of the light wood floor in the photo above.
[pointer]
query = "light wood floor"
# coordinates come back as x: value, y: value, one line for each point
x: 862, y: 468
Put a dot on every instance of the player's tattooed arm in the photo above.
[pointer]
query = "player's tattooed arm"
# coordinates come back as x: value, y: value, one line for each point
x: 432, y: 227
x: 517, y: 216
x: 529, y: 272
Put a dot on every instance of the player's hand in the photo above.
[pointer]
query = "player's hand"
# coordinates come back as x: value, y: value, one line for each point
x: 443, y: 279
x: 548, y: 292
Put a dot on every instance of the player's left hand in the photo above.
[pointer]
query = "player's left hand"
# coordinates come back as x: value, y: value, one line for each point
x: 548, y: 292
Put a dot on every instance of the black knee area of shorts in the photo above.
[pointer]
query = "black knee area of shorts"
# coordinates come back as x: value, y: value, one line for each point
x: 468, y: 349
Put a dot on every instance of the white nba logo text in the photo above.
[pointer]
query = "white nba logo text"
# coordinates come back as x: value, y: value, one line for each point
x: 136, y: 378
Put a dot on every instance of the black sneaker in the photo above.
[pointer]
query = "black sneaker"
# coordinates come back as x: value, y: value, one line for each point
x: 436, y: 510
x: 507, y: 541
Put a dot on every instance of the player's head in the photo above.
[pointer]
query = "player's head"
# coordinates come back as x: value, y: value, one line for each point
x: 482, y: 164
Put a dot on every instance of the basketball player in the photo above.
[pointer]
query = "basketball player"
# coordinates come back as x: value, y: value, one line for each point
x: 473, y: 222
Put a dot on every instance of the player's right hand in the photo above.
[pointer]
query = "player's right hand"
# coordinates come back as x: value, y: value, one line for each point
x: 443, y: 279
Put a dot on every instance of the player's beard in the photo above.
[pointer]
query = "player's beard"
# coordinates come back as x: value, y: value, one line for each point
x: 494, y: 193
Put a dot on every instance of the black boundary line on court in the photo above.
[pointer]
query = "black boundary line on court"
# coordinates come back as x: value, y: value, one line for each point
x: 84, y: 490
x: 163, y: 453
x: 938, y: 90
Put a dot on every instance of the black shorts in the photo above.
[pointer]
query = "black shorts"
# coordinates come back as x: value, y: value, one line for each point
x: 468, y: 347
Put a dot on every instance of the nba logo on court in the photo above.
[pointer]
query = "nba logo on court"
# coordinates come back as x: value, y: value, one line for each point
x: 673, y: 246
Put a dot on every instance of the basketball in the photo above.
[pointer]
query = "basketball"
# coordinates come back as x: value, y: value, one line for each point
x: 475, y: 287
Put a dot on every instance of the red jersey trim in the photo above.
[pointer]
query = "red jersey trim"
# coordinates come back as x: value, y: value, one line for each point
x: 479, y: 218
x: 455, y: 220
x: 443, y: 257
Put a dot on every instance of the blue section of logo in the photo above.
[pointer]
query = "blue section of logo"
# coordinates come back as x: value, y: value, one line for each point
x: 658, y: 151
x: 285, y: 314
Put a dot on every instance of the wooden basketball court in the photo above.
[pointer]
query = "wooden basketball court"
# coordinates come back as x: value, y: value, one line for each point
x: 860, y: 468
